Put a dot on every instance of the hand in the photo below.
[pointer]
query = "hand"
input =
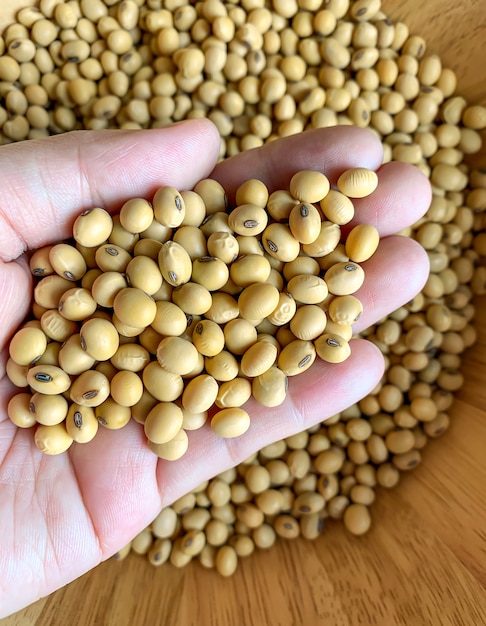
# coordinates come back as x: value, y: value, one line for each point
x: 61, y: 516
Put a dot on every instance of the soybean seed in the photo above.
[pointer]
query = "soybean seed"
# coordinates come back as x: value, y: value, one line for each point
x: 52, y: 439
x: 93, y: 227
x: 362, y: 242
x: 90, y: 388
x: 344, y: 278
x: 48, y: 379
x: 18, y: 410
x: 27, y: 346
x: 163, y: 422
x: 357, y: 182
x: 81, y: 423
x: 332, y: 348
x: 230, y: 422
x: 305, y: 223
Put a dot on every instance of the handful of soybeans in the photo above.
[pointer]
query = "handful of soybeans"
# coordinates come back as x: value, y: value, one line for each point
x: 176, y: 311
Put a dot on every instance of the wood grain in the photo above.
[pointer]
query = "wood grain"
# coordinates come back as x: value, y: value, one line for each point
x: 423, y: 562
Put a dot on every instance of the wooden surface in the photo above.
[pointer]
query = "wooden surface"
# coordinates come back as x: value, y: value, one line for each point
x: 424, y: 561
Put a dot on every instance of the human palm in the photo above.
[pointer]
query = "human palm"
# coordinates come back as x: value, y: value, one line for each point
x: 60, y: 516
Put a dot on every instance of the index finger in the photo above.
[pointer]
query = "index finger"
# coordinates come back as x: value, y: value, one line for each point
x: 403, y: 194
x: 329, y: 150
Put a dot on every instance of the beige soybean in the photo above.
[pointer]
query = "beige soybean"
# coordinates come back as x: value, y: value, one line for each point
x: 48, y: 379
x: 309, y: 322
x: 72, y: 358
x: 136, y: 215
x: 284, y: 311
x: 307, y: 289
x: 112, y: 415
x: 258, y: 359
x: 357, y: 519
x: 175, y: 263
x: 200, y: 393
x: 39, y: 262
x: 169, y: 319
x: 233, y: 393
x: 344, y: 278
x: 126, y: 388
x: 226, y: 561
x: 163, y: 422
x: 49, y: 290
x: 161, y: 384
x: 81, y: 423
x: 147, y: 247
x: 77, y: 304
x: 301, y: 265
x: 99, y: 338
x: 345, y: 309
x: 193, y: 421
x: 230, y: 422
x: 208, y: 338
x: 332, y: 348
x: 106, y: 286
x: 362, y: 242
x: 252, y: 191
x: 18, y: 410
x: 400, y: 441
x: 305, y: 223
x: 52, y: 440
x: 192, y: 299
x: 112, y: 258
x: 296, y: 357
x: 143, y: 273
x: 223, y: 308
x: 215, y: 222
x: 357, y: 182
x: 279, y: 242
x: 50, y: 357
x: 222, y: 245
x: 48, y: 409
x: 250, y: 268
x: 90, y: 388
x: 280, y: 203
x: 309, y: 186
x: 168, y: 207
x: 257, y: 301
x: 192, y: 239
x: 177, y: 355
x: 210, y: 272
x: 326, y: 242
x: 134, y: 307
x: 27, y: 345
x: 223, y: 366
x: 248, y: 219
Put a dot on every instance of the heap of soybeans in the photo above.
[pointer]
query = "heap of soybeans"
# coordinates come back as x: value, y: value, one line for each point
x: 258, y: 70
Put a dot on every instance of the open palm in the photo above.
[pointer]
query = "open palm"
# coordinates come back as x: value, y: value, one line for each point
x: 60, y: 516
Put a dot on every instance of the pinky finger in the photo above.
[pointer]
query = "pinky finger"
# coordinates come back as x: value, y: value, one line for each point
x: 394, y: 275
x: 313, y: 397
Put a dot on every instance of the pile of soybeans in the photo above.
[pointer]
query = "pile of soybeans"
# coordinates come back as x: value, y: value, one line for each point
x: 262, y: 70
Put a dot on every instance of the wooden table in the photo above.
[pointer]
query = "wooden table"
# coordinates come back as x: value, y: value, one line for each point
x: 424, y: 561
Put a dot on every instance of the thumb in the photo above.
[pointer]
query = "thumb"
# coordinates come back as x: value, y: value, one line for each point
x: 47, y: 183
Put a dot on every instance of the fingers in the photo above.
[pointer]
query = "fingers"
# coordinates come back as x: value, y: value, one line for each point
x: 321, y: 392
x: 15, y: 287
x: 403, y: 195
x: 116, y: 477
x: 330, y: 150
x: 46, y: 183
x: 393, y: 276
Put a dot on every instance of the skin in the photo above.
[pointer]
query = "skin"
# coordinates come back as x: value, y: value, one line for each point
x: 61, y: 516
